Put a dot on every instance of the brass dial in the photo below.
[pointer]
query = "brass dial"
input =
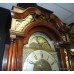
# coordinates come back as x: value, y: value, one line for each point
x: 39, y: 54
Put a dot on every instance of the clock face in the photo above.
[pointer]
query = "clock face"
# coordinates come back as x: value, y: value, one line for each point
x: 40, y: 54
x: 40, y: 60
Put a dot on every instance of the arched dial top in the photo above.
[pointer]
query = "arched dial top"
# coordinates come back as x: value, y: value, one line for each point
x: 40, y: 54
x: 41, y: 39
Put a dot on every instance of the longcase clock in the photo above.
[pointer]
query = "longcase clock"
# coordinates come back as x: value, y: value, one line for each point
x: 36, y: 45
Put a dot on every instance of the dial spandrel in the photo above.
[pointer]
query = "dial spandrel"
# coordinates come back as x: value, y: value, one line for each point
x: 18, y: 25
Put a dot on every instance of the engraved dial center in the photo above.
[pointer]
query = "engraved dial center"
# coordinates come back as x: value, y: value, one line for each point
x: 42, y: 65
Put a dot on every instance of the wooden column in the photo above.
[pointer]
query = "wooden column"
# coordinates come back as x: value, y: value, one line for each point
x: 12, y: 56
x: 19, y: 54
x: 63, y: 59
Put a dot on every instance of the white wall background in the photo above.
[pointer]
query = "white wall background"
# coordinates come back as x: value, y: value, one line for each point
x: 65, y: 11
x: 7, y: 5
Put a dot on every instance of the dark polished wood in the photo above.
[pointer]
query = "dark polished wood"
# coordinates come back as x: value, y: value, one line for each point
x: 59, y: 23
x: 27, y: 11
x: 5, y: 57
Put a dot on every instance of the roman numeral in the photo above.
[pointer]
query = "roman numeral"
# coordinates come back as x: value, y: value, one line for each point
x: 47, y: 57
x: 41, y: 54
x: 35, y: 57
x: 53, y: 62
x: 29, y: 61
